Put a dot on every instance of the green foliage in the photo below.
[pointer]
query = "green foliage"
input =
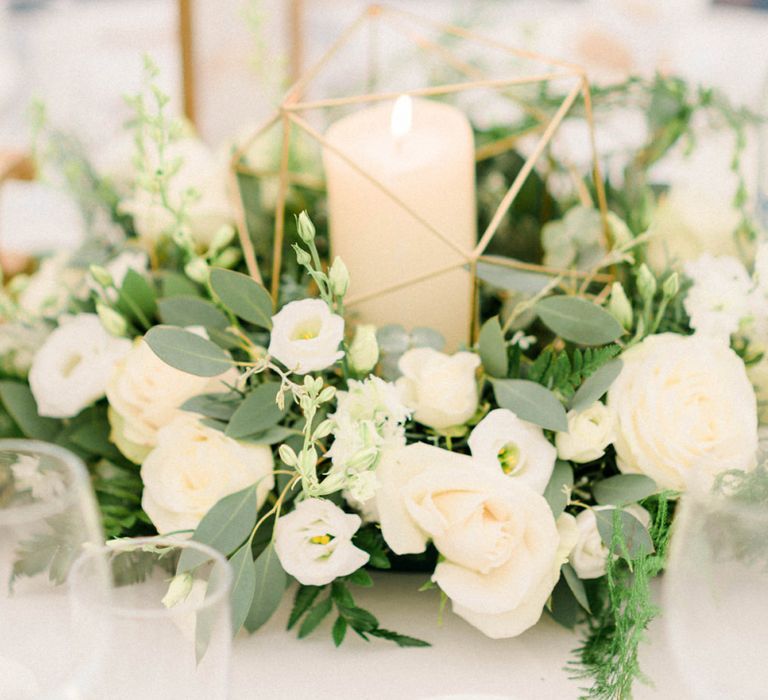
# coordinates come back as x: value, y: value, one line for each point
x: 21, y: 405
x: 182, y: 310
x: 563, y: 373
x: 623, y: 488
x: 258, y: 412
x: 532, y: 402
x: 370, y: 539
x: 187, y: 352
x: 596, y: 385
x: 560, y: 483
x: 271, y: 581
x: 118, y: 488
x: 243, y: 586
x: 136, y: 300
x: 243, y: 296
x: 578, y: 320
x: 622, y: 610
x: 493, y: 348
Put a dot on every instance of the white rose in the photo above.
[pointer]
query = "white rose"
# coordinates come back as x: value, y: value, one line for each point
x: 193, y: 467
x: 590, y: 554
x: 314, y: 542
x: 145, y: 393
x: 441, y: 389
x: 589, y: 432
x: 306, y: 336
x: 71, y: 369
x: 684, y: 410
x: 200, y: 170
x: 501, y: 441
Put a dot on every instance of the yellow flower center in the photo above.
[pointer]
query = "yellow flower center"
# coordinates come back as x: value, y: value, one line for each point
x: 320, y: 539
x: 308, y: 329
x: 509, y: 457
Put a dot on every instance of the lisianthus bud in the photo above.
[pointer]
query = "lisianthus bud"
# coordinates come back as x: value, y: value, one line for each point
x: 178, y: 590
x: 364, y: 351
x: 101, y: 275
x: 646, y: 282
x: 288, y: 455
x: 228, y: 258
x: 112, y: 321
x: 306, y: 227
x: 302, y: 256
x: 339, y: 278
x: 619, y: 306
x: 222, y: 238
x: 182, y: 237
x: 671, y: 285
x: 197, y: 269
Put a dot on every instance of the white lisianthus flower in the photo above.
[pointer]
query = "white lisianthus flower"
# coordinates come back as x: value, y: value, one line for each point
x: 502, y: 442
x: 200, y: 170
x: 47, y: 291
x: 144, y: 395
x: 501, y: 548
x: 720, y: 296
x: 71, y: 369
x: 314, y: 542
x: 440, y: 389
x: 306, y: 336
x: 684, y: 410
x: 193, y: 467
x: 590, y: 554
x: 589, y: 432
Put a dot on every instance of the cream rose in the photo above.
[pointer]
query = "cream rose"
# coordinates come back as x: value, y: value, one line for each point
x: 71, y: 369
x: 306, y: 336
x: 501, y: 547
x: 145, y: 393
x: 590, y: 555
x: 441, y: 389
x: 589, y: 432
x: 503, y: 442
x: 684, y: 410
x: 194, y: 466
x: 314, y: 542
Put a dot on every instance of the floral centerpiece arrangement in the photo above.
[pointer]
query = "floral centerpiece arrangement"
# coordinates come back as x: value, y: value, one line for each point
x: 532, y: 472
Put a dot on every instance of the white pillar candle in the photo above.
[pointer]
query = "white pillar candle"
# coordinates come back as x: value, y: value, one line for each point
x: 422, y: 152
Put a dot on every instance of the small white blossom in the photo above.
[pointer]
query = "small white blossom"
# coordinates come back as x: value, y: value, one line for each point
x: 44, y: 485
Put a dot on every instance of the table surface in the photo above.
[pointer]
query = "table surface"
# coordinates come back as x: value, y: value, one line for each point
x: 273, y: 663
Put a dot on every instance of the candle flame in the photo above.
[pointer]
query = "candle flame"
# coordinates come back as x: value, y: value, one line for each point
x: 402, y: 116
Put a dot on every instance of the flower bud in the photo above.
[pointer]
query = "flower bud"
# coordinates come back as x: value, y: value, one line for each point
x: 339, y: 278
x: 671, y: 285
x: 306, y: 227
x: 101, y: 275
x: 326, y: 394
x: 228, y: 258
x: 364, y: 351
x: 619, y: 306
x: 197, y: 269
x: 288, y: 455
x: 182, y: 237
x: 178, y: 590
x: 221, y: 239
x: 323, y: 430
x: 307, y: 460
x: 363, y: 459
x: 302, y: 256
x: 646, y: 283
x: 113, y: 322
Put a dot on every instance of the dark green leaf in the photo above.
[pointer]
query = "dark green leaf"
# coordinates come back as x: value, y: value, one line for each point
x: 271, y: 581
x: 596, y: 386
x: 360, y: 620
x: 191, y: 311
x: 493, y: 348
x: 243, y: 586
x: 564, y: 607
x: 576, y: 585
x: 360, y: 578
x: 623, y: 489
x: 211, y: 405
x: 305, y: 596
x: 20, y: 404
x: 136, y: 299
x: 532, y: 402
x: 257, y: 413
x: 339, y: 630
x: 578, y: 320
x: 94, y: 437
x: 370, y: 540
x: 243, y: 296
x: 633, y: 536
x: 187, y: 352
x: 271, y: 436
x: 554, y: 493
x: 315, y: 616
x: 402, y: 640
x: 173, y: 284
x: 341, y: 595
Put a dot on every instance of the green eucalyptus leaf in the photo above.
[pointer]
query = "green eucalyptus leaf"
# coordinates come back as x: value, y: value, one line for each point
x: 564, y: 607
x: 22, y: 407
x: 136, y: 298
x: 187, y: 352
x: 211, y: 406
x: 634, y: 535
x: 596, y: 386
x: 271, y: 581
x: 208, y: 616
x: 576, y: 585
x: 173, y: 284
x: 191, y: 311
x: 532, y: 402
x: 271, y: 436
x: 554, y: 493
x: 257, y: 413
x: 510, y: 279
x: 243, y: 296
x: 578, y: 320
x: 94, y: 437
x: 493, y: 348
x: 623, y: 489
x: 243, y: 586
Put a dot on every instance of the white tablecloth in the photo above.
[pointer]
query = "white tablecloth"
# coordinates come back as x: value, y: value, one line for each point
x: 274, y: 664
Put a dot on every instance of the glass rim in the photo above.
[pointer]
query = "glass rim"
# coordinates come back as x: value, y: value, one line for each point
x: 29, y: 512
x: 76, y: 576
x: 696, y: 501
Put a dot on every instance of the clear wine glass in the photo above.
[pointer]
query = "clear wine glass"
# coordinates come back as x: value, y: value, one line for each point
x: 716, y: 590
x: 47, y: 516
x: 168, y: 618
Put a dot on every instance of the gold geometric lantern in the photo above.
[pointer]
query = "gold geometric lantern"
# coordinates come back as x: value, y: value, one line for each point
x: 515, y: 72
